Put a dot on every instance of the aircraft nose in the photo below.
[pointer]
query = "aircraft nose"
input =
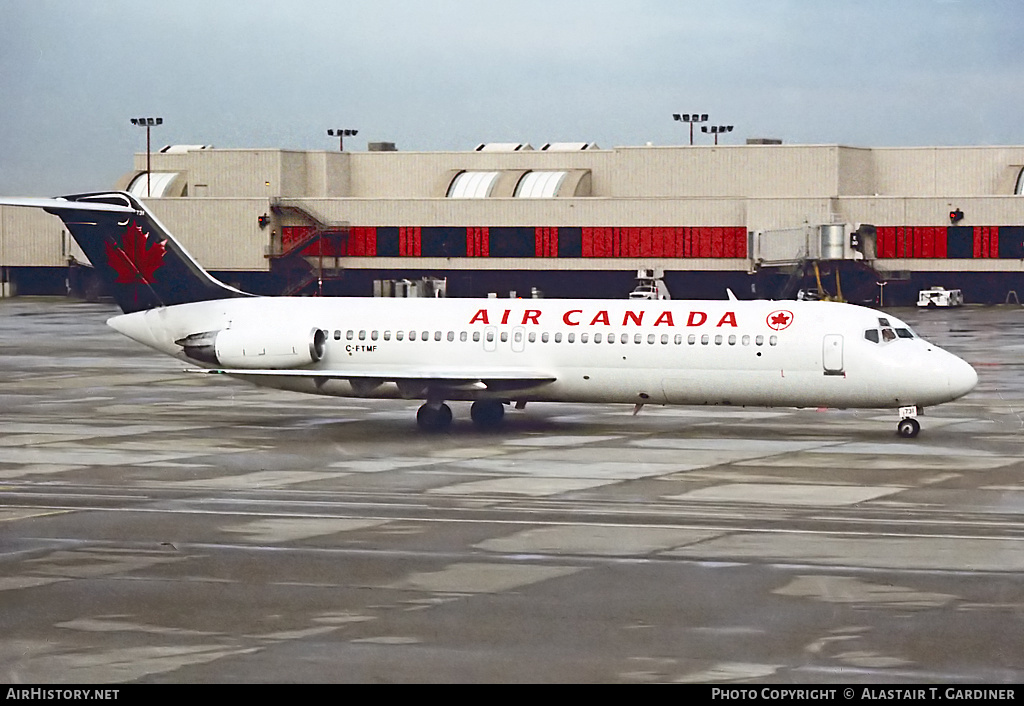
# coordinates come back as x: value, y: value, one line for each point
x: 962, y: 377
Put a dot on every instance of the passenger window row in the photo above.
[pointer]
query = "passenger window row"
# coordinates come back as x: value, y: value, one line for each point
x: 572, y: 337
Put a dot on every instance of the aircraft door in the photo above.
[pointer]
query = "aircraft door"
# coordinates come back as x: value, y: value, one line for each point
x: 491, y: 339
x: 832, y: 354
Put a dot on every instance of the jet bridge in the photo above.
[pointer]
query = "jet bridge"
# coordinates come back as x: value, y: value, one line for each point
x: 813, y: 259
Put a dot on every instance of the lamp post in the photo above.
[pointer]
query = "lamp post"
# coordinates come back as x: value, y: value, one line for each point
x: 690, y: 118
x: 147, y: 123
x: 716, y: 130
x: 341, y: 135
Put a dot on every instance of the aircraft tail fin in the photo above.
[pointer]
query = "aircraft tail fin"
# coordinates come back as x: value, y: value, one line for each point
x: 141, y: 263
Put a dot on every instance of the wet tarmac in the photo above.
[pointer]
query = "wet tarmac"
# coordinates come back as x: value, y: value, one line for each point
x: 161, y: 527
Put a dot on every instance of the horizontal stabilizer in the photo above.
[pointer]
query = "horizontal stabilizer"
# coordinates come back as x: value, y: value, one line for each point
x: 59, y: 204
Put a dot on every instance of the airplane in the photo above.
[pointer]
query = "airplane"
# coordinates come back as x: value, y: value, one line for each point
x: 498, y: 352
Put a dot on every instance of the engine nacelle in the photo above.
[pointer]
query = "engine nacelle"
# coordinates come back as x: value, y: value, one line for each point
x: 257, y: 349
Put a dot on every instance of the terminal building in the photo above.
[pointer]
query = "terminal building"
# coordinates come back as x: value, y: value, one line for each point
x: 765, y: 220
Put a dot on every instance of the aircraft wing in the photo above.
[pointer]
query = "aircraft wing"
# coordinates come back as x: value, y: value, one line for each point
x: 411, y: 379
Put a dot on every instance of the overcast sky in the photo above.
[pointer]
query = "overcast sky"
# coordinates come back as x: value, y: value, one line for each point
x: 449, y: 74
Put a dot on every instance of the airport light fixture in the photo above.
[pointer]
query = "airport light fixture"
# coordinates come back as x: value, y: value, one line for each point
x: 690, y: 118
x: 341, y: 135
x: 716, y: 130
x: 147, y: 123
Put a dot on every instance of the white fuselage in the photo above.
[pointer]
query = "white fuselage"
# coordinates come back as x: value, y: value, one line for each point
x: 756, y: 353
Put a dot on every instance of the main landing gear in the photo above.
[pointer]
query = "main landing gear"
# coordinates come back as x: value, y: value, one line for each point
x: 909, y: 427
x: 437, y: 416
x: 434, y: 416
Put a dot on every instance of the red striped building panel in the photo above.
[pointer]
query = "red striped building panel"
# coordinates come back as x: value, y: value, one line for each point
x: 545, y: 242
x: 410, y: 241
x: 478, y: 241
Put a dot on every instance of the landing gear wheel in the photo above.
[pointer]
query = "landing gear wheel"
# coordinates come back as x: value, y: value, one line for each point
x: 434, y: 417
x: 487, y: 414
x: 908, y: 428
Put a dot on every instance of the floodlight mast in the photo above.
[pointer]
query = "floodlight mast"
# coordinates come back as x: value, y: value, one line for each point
x: 341, y: 134
x: 690, y: 118
x: 716, y: 130
x: 148, y: 123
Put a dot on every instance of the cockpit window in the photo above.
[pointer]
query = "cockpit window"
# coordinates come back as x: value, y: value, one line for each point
x: 886, y: 334
x: 883, y: 322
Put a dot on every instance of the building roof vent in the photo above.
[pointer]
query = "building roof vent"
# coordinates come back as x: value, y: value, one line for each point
x: 569, y: 146
x: 156, y: 186
x: 472, y: 185
x: 182, y: 149
x: 503, y: 147
x: 540, y: 185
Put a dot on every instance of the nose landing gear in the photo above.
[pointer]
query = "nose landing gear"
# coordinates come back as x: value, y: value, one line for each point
x: 908, y: 426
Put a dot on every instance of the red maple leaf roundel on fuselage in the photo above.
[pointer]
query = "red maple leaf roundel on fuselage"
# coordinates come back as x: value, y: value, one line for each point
x: 133, y: 261
x: 778, y: 320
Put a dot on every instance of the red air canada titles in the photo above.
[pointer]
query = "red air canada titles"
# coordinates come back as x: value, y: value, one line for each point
x: 602, y: 317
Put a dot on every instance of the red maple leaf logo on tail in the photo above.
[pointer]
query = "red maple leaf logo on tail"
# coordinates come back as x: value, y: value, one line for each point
x: 133, y: 261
